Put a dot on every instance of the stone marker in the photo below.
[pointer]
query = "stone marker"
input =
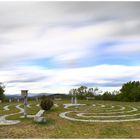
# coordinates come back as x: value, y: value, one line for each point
x: 10, y: 100
x: 72, y: 100
x: 36, y: 99
x: 75, y: 101
x: 39, y: 116
x: 73, y: 93
x: 24, y: 93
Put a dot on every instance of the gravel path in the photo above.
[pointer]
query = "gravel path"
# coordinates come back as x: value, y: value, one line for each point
x: 38, y: 105
x: 63, y: 115
x: 84, y: 114
x: 6, y: 107
x: 3, y: 120
x: 56, y: 105
x: 29, y: 106
x: 68, y: 105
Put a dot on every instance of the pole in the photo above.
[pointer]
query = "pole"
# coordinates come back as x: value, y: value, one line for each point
x: 25, y: 106
x: 24, y: 93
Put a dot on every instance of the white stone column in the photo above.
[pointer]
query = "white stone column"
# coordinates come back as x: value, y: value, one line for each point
x: 72, y: 100
x: 36, y: 99
x: 75, y: 100
x: 24, y: 93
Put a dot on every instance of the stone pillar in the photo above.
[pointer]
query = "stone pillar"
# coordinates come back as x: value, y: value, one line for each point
x: 36, y: 99
x: 24, y: 93
x: 75, y: 100
x: 72, y: 100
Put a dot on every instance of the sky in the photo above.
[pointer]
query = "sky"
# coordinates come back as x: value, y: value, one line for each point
x: 55, y: 46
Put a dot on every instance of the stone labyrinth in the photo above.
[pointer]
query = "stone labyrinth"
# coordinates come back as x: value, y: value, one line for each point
x: 5, y: 121
x: 82, y: 112
x: 101, y: 113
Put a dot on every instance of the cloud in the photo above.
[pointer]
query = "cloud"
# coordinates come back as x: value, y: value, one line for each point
x: 62, y: 44
x: 125, y: 49
x: 40, y: 79
x: 77, y: 38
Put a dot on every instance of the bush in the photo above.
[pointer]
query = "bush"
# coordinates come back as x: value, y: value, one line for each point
x: 46, y: 104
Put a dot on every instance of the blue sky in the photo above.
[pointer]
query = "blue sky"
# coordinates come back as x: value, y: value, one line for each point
x: 55, y: 46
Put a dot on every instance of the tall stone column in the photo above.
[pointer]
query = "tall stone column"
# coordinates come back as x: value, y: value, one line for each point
x: 72, y: 100
x: 24, y: 93
x: 75, y: 100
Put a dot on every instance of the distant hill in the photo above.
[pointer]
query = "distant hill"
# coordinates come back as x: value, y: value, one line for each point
x: 32, y: 95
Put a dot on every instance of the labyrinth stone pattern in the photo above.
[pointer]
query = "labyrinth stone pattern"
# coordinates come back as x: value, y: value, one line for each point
x: 6, y: 108
x: 101, y: 113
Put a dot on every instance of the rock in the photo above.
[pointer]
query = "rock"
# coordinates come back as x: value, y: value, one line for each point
x: 39, y: 119
x: 39, y: 116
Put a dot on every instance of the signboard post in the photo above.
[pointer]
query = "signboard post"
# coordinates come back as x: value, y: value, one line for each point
x: 24, y: 93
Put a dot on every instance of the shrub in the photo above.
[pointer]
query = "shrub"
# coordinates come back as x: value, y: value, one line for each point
x: 46, y: 104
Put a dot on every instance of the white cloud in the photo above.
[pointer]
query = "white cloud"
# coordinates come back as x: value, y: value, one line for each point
x: 129, y: 48
x: 64, y: 79
x: 66, y: 33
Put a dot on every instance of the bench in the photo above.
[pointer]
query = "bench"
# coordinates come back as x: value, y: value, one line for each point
x: 92, y: 98
x: 39, y: 116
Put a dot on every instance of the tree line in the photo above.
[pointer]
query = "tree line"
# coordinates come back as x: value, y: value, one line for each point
x: 129, y: 91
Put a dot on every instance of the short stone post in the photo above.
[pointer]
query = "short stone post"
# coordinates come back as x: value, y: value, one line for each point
x: 24, y: 93
x: 36, y: 99
x: 10, y: 100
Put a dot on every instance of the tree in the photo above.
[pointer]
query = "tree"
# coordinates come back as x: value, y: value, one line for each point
x: 130, y: 91
x: 90, y: 92
x: 2, y: 87
x: 82, y: 92
x: 93, y: 91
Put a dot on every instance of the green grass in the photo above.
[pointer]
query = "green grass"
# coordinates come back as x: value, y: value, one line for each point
x: 57, y: 127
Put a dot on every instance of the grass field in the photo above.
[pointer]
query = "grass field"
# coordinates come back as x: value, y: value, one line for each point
x: 57, y: 127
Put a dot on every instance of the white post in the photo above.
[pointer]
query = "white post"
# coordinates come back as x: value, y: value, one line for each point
x: 36, y: 99
x: 25, y: 107
x: 75, y: 101
x: 24, y: 93
x: 72, y: 99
